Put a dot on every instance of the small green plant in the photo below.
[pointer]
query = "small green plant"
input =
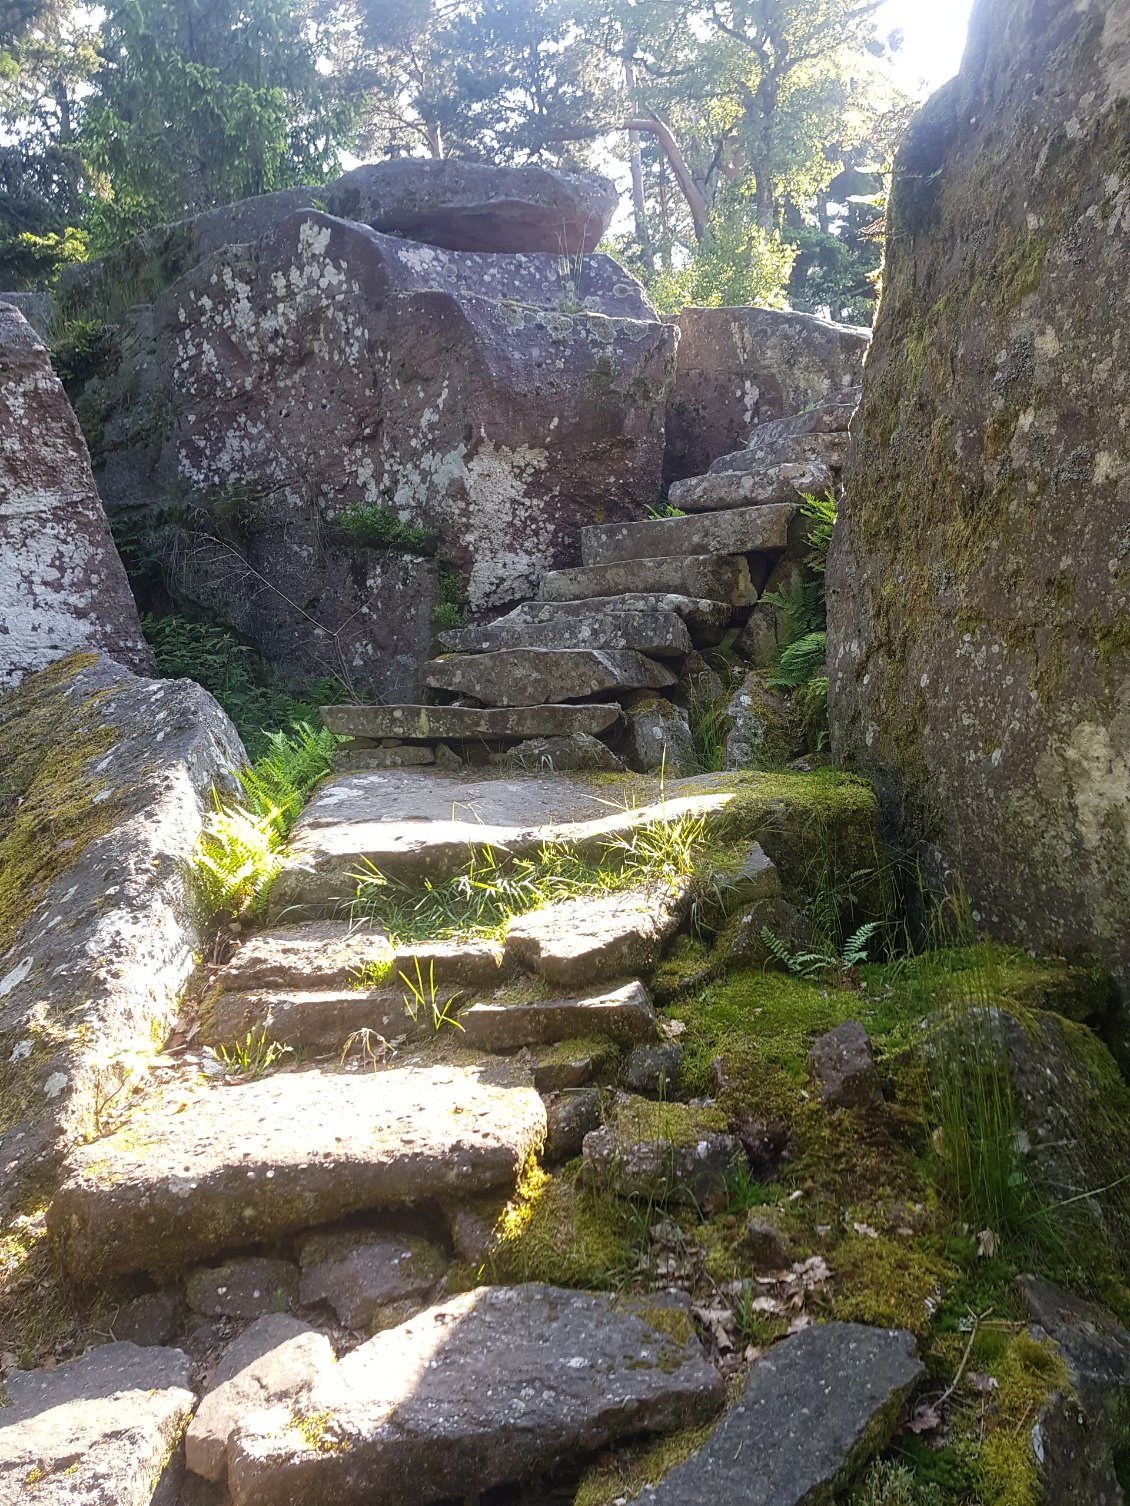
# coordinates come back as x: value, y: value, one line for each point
x: 376, y: 527
x: 252, y: 1056
x: 450, y: 608
x: 82, y: 349
x: 744, y: 1191
x: 424, y: 996
x: 888, y: 1483
x: 821, y: 964
x: 821, y: 511
x: 665, y: 510
x: 710, y: 728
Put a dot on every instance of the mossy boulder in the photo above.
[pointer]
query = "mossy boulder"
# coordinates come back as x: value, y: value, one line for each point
x: 979, y: 642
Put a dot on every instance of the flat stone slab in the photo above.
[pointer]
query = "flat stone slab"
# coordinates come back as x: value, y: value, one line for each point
x: 824, y: 450
x: 457, y: 723
x: 743, y: 530
x: 213, y: 1167
x: 768, y: 442
x: 582, y: 941
x: 542, y: 676
x: 348, y: 759
x: 319, y: 1019
x: 362, y: 1274
x: 412, y: 825
x: 719, y: 576
x: 273, y: 1361
x: 328, y: 954
x: 101, y: 1431
x: 660, y: 633
x: 624, y: 1015
x: 815, y: 1408
x: 489, y: 1387
x: 706, y: 620
x: 720, y: 491
x: 247, y: 1287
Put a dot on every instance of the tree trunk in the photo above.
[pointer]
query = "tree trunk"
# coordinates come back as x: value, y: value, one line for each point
x: 696, y: 199
x: 643, y: 235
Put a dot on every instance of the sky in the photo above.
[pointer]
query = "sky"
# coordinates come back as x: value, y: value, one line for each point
x: 934, y: 38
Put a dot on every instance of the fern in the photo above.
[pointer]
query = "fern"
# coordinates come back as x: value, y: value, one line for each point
x: 800, y: 661
x: 822, y: 512
x: 856, y: 947
x: 812, y: 965
x: 801, y: 608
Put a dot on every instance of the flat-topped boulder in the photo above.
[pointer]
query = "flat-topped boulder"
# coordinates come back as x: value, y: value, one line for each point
x: 662, y: 634
x: 581, y: 941
x: 755, y: 486
x: 624, y: 1014
x: 101, y: 1431
x: 815, y: 1408
x: 719, y: 576
x: 538, y: 677
x: 741, y: 530
x: 213, y: 1167
x: 798, y: 452
x: 455, y: 723
x: 484, y: 1389
x: 706, y: 620
x: 414, y: 824
x: 466, y: 206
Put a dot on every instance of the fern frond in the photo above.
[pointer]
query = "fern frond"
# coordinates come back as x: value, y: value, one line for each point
x: 800, y: 661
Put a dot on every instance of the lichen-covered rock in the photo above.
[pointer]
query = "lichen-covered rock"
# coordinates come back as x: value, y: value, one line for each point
x: 467, y: 206
x: 765, y: 729
x: 661, y: 1151
x: 106, y: 782
x: 978, y: 585
x: 843, y: 1066
x: 579, y: 754
x: 623, y: 1014
x: 364, y: 1274
x: 542, y: 676
x: 247, y: 1287
x: 61, y: 581
x: 658, y: 736
x: 281, y: 384
x: 741, y: 367
x: 577, y: 942
x: 743, y: 529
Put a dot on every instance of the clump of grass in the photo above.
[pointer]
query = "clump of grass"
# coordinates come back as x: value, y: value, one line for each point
x: 377, y: 527
x: 424, y: 997
x: 451, y: 603
x: 252, y: 1056
x: 493, y: 889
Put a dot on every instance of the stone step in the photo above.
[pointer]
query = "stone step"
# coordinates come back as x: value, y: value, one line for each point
x: 411, y: 826
x: 432, y: 724
x: 827, y: 451
x: 206, y: 1168
x: 743, y: 530
x: 322, y: 1020
x: 334, y: 954
x: 720, y: 576
x: 578, y: 942
x: 541, y: 676
x: 490, y: 1387
x: 768, y: 441
x: 814, y: 1410
x: 706, y: 620
x: 661, y: 634
x: 101, y: 1431
x: 625, y: 1015
x: 757, y: 487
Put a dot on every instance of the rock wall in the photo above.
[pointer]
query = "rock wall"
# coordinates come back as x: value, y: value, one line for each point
x: 738, y: 368
x: 980, y: 576
x: 105, y: 779
x: 62, y: 584
x: 501, y: 401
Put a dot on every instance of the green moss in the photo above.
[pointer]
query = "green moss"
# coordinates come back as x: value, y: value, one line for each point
x: 558, y: 1232
x: 1023, y: 272
x: 621, y: 1474
x: 889, y: 1282
x: 1028, y: 1374
x: 673, y: 1123
x: 686, y: 966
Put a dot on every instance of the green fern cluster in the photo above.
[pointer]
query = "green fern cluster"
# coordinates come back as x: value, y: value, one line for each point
x: 812, y: 965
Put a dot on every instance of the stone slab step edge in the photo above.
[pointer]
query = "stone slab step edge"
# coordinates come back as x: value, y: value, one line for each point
x: 719, y: 577
x: 541, y: 676
x: 432, y: 724
x: 660, y: 634
x: 624, y: 1014
x: 742, y: 530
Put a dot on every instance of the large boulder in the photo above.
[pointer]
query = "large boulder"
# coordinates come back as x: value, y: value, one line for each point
x: 466, y: 206
x: 490, y: 403
x: 105, y: 780
x: 61, y: 581
x: 978, y: 584
x: 741, y: 367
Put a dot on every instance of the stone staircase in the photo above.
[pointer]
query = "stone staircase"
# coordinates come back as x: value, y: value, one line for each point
x: 551, y: 675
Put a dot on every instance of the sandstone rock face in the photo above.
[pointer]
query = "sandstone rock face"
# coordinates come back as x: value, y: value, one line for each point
x: 465, y: 206
x: 738, y: 368
x: 61, y: 581
x: 101, y: 1431
x: 282, y: 383
x: 979, y: 639
x: 106, y: 782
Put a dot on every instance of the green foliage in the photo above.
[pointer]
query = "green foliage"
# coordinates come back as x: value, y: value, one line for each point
x: 737, y: 264
x: 801, y: 608
x: 375, y: 527
x: 450, y: 609
x: 819, y: 964
x: 30, y: 260
x: 81, y: 349
x: 252, y: 1056
x: 800, y: 661
x: 822, y: 513
x: 889, y: 1483
x: 425, y: 997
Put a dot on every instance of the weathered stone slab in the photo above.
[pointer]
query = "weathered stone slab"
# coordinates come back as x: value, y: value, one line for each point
x: 654, y: 1070
x: 316, y: 1018
x: 658, y: 737
x: 101, y: 1431
x: 718, y: 491
x: 349, y: 760
x: 108, y: 779
x: 214, y: 1167
x: 62, y: 584
x: 739, y: 368
x: 319, y: 954
x: 1094, y: 1343
x: 661, y: 634
x: 625, y: 1014
x: 454, y: 723
x: 719, y: 577
x: 667, y: 1152
x: 247, y: 1286
x: 577, y: 754
x: 466, y: 206
x: 570, y: 1116
x: 538, y: 677
x: 773, y: 441
x: 827, y: 452
x: 744, y: 530
x: 272, y: 1362
x: 362, y: 1274
x: 486, y: 1388
x: 814, y: 1409
x: 410, y: 826
x: 582, y: 941
x: 572, y: 1064
x: 706, y: 620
